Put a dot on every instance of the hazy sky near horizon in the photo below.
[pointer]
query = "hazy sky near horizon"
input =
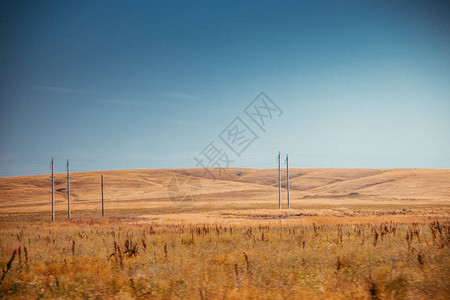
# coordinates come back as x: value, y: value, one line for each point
x: 149, y: 84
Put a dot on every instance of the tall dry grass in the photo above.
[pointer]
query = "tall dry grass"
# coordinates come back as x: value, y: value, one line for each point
x: 162, y: 261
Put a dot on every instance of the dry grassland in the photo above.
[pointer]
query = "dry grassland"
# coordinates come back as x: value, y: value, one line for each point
x: 365, y: 234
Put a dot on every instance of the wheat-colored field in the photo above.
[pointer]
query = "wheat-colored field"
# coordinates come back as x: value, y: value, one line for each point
x: 350, y: 233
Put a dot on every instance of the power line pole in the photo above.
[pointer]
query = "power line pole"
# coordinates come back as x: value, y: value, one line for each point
x: 287, y: 174
x: 103, y: 207
x: 53, y: 193
x: 68, y: 191
x: 279, y: 181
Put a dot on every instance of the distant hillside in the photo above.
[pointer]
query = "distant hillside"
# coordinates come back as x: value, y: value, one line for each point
x: 149, y: 188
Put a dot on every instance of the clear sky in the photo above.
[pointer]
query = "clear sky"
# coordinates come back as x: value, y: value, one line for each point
x: 149, y: 84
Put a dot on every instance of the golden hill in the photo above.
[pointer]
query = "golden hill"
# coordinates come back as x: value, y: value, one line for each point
x: 230, y: 188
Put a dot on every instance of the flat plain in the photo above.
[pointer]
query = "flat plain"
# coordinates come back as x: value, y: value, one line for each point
x: 184, y: 233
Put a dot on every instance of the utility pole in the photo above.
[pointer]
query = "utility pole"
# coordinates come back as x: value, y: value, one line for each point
x: 279, y: 181
x: 287, y: 174
x: 53, y: 193
x: 68, y: 191
x: 103, y: 206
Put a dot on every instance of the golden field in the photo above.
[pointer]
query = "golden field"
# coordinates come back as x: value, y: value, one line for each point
x: 350, y: 233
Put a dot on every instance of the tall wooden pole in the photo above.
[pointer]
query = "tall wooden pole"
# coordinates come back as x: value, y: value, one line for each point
x: 68, y: 191
x: 53, y: 193
x: 279, y: 181
x: 103, y: 206
x: 287, y: 174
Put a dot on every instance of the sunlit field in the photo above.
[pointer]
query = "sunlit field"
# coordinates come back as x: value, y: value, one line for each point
x: 108, y: 259
x: 328, y: 245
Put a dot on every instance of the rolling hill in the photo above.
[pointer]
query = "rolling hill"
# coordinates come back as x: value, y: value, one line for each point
x: 126, y: 189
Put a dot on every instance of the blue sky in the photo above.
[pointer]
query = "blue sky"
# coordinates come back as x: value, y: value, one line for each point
x: 149, y: 84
